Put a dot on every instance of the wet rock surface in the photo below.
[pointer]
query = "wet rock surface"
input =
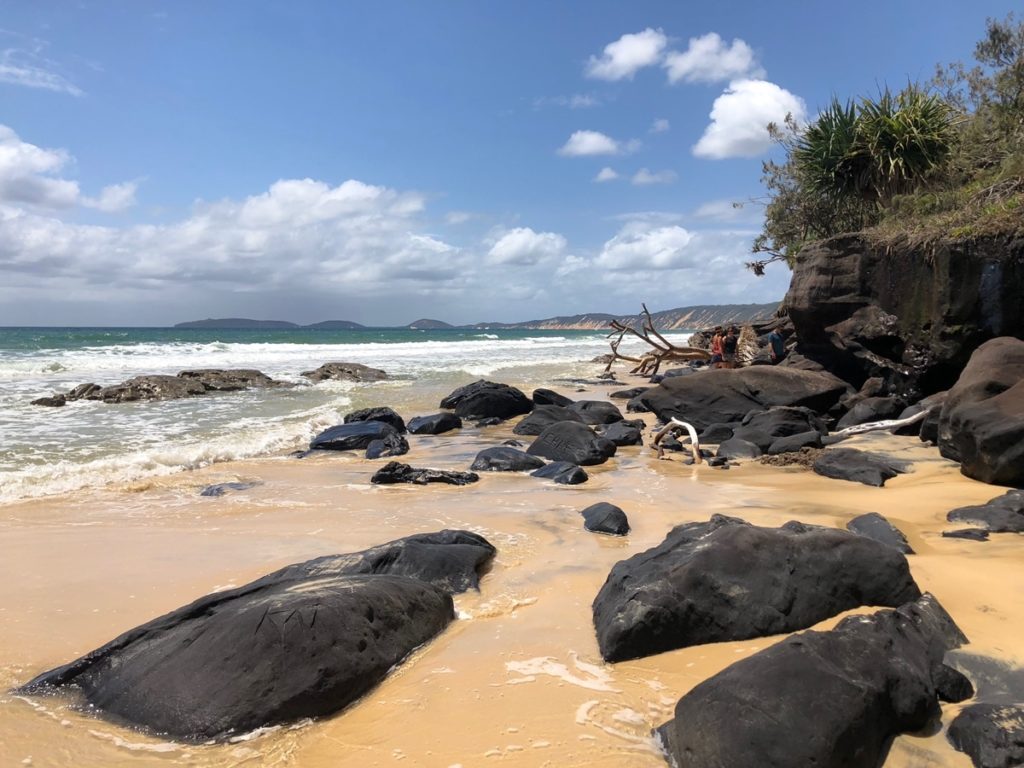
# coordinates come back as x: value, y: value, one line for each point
x: 503, y: 458
x: 385, y: 414
x: 572, y: 442
x: 220, y: 489
x: 858, y: 466
x: 487, y: 399
x: 345, y: 372
x: 562, y: 472
x: 435, y: 424
x: 1003, y: 514
x: 991, y: 734
x: 356, y: 436
x: 396, y: 472
x: 603, y: 517
x: 542, y: 417
x: 874, y: 526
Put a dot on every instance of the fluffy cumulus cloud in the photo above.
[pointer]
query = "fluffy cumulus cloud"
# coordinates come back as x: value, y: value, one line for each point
x: 523, y: 246
x: 629, y: 54
x: 606, y: 174
x: 113, y: 198
x: 584, y: 143
x: 709, y: 59
x: 740, y: 116
x: 645, y: 177
x: 639, y: 247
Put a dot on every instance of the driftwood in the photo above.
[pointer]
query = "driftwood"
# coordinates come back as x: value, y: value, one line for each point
x: 675, y: 425
x: 662, y: 349
x: 875, y: 426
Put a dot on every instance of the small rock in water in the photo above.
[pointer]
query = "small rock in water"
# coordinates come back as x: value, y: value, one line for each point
x: 53, y: 402
x: 435, y: 424
x: 562, y: 472
x: 221, y: 488
x: 505, y: 459
x: 396, y: 472
x: 971, y: 534
x: 605, y: 518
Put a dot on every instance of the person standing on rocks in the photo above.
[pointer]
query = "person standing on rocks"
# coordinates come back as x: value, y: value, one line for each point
x: 729, y: 344
x: 777, y: 345
x: 716, y: 348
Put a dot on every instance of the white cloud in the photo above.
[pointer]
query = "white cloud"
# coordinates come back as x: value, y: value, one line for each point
x: 458, y: 217
x: 627, y: 55
x: 644, y: 177
x: 606, y: 174
x: 659, y: 126
x: 583, y: 143
x: 524, y: 246
x: 113, y: 198
x: 638, y: 247
x: 18, y: 67
x: 27, y: 173
x: 740, y: 116
x: 708, y: 59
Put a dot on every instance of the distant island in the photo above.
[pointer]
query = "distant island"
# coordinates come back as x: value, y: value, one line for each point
x: 701, y: 316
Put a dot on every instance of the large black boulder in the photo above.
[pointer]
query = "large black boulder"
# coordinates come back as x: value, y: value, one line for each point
x: 871, y: 409
x: 435, y: 424
x: 385, y: 414
x: 873, y: 526
x: 487, y: 399
x: 727, y: 395
x: 728, y: 580
x: 1003, y: 514
x: 389, y: 445
x: 502, y: 458
x: 737, y: 448
x: 353, y: 437
x: 542, y: 417
x: 858, y: 466
x: 622, y: 433
x: 981, y: 424
x: 302, y: 642
x: 550, y: 397
x: 603, y: 517
x: 597, y: 411
x: 562, y: 472
x: 764, y: 427
x: 991, y: 734
x: 345, y: 372
x: 396, y: 472
x: 828, y: 699
x: 576, y: 443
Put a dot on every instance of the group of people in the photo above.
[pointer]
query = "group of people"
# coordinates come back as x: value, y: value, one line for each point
x: 725, y: 343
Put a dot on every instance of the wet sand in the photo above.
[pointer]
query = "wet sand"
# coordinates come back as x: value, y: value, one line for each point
x: 518, y: 679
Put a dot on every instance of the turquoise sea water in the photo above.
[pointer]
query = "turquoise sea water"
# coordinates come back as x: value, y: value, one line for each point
x: 58, y: 450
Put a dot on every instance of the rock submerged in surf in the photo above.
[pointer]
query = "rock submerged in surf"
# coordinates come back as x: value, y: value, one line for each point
x: 185, y: 384
x: 358, y: 436
x: 729, y: 580
x: 304, y: 641
x: 434, y: 424
x: 396, y: 472
x: 826, y: 699
x: 345, y: 372
x: 383, y: 413
x: 503, y: 458
x: 220, y: 489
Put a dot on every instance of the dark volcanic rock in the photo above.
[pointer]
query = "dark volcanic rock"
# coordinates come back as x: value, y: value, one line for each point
x: 628, y: 394
x: 1003, y: 514
x: 597, y: 411
x: 992, y: 735
x: 487, y: 399
x: 353, y: 437
x: 148, y: 388
x: 728, y: 580
x: 622, y: 434
x: 763, y: 427
x: 982, y: 420
x: 605, y: 518
x: 385, y: 414
x: 727, y: 395
x: 858, y: 466
x: 716, y: 433
x: 871, y: 409
x: 55, y: 401
x: 304, y: 641
x: 221, y: 488
x: 576, y: 443
x: 636, y: 406
x: 542, y: 417
x: 735, y: 448
x: 435, y: 424
x: 971, y: 534
x: 550, y: 397
x: 345, y: 372
x: 396, y: 472
x: 82, y: 391
x: 389, y: 445
x: 794, y: 443
x: 874, y: 526
x: 230, y: 380
x: 562, y: 472
x: 504, y: 459
x: 828, y: 699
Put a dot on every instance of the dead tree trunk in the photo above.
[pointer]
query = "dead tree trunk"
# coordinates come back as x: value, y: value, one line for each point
x: 661, y: 349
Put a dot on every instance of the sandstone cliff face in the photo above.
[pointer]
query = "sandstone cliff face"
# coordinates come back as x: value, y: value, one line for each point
x: 909, y: 316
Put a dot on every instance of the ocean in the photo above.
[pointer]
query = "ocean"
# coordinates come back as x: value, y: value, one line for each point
x: 45, y: 451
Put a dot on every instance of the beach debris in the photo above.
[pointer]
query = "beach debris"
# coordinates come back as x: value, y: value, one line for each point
x: 982, y: 420
x: 833, y: 698
x: 550, y: 397
x: 573, y: 442
x: 1003, y: 514
x: 385, y: 414
x: 594, y: 412
x: 357, y: 436
x: 873, y: 526
x: 674, y: 427
x: 304, y: 641
x: 396, y: 472
x: 435, y: 424
x: 487, y: 399
x: 991, y: 734
x: 503, y: 458
x: 858, y: 466
x: 876, y: 426
x: 562, y: 472
x: 726, y: 579
x: 542, y: 417
x: 604, y: 517
x: 345, y: 372
x: 220, y: 489
x: 662, y: 349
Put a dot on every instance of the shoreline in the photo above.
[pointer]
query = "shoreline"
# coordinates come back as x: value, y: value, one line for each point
x: 519, y: 673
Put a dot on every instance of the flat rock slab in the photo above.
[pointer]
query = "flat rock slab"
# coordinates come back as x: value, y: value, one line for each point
x: 397, y: 472
x: 302, y: 642
x: 1003, y: 514
x: 502, y: 458
x: 562, y: 472
x: 858, y: 466
x: 572, y: 442
x: 605, y: 518
x: 874, y: 526
x: 345, y: 372
x: 827, y: 699
x: 992, y: 735
x: 728, y: 580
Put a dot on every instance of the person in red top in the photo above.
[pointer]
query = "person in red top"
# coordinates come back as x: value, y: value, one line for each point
x: 716, y: 348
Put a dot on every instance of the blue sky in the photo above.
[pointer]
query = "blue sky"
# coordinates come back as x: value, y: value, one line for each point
x: 379, y: 162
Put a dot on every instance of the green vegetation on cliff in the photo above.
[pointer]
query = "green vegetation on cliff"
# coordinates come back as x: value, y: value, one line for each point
x: 935, y: 160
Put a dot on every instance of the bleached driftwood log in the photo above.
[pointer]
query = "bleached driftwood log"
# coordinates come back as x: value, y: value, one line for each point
x: 661, y: 349
x: 875, y: 426
x: 675, y: 425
